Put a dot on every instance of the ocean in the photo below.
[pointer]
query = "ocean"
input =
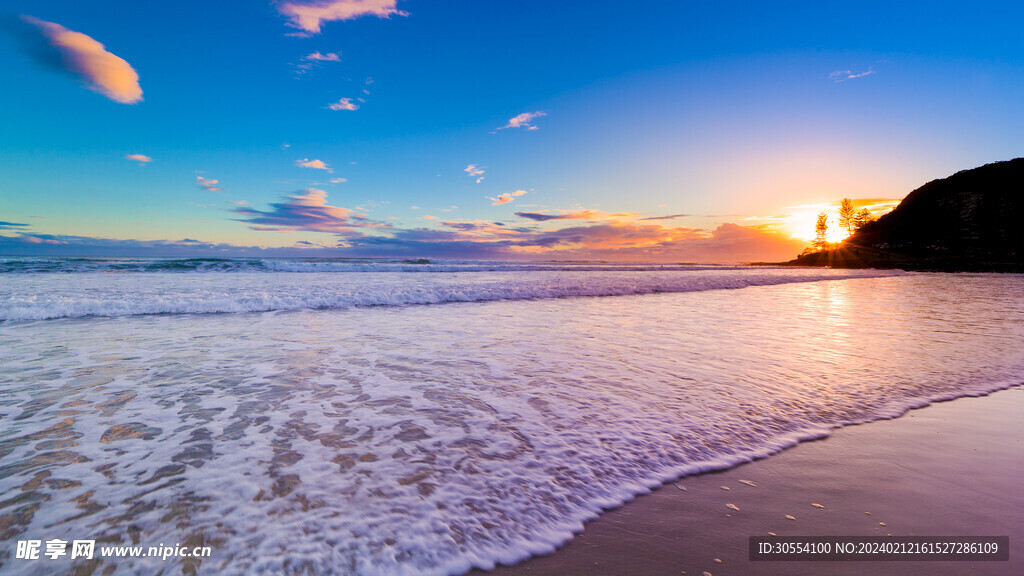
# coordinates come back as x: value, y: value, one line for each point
x: 388, y: 417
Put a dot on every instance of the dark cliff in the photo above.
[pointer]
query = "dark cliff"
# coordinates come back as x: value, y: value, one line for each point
x: 972, y: 220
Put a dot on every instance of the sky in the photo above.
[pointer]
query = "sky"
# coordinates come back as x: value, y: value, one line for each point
x: 656, y: 131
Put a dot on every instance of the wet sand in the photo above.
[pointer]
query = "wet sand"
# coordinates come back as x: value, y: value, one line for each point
x: 952, y: 468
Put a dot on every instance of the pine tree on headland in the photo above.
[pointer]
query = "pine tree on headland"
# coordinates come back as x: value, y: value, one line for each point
x: 847, y: 216
x: 861, y: 218
x: 821, y: 231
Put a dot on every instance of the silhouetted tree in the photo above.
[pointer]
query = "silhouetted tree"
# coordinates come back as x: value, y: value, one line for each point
x: 847, y: 216
x: 861, y: 218
x: 821, y: 231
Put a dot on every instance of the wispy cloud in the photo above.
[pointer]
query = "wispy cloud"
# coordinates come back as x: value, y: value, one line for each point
x: 306, y: 210
x: 12, y: 226
x: 524, y: 120
x: 338, y: 180
x: 315, y: 164
x: 208, y: 184
x: 578, y: 215
x: 240, y: 202
x: 844, y: 75
x: 343, y: 104
x: 103, y: 72
x: 310, y: 16
x: 505, y: 198
x: 313, y: 59
x: 318, y: 57
x: 475, y: 172
x: 669, y: 217
x: 142, y: 159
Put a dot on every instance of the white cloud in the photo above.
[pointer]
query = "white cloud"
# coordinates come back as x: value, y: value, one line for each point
x: 106, y: 73
x: 524, y: 120
x: 344, y: 104
x: 338, y: 180
x: 310, y: 16
x: 844, y: 75
x: 316, y: 164
x: 142, y: 159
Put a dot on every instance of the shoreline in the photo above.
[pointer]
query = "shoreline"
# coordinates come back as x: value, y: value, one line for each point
x: 951, y: 468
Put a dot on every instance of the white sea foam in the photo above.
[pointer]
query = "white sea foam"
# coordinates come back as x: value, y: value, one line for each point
x: 47, y: 296
x: 434, y: 439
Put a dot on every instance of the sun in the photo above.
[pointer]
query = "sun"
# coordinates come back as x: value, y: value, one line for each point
x: 802, y: 222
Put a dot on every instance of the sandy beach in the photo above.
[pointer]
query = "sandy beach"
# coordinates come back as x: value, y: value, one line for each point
x: 951, y: 468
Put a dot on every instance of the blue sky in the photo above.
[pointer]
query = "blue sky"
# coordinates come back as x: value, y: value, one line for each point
x: 452, y: 119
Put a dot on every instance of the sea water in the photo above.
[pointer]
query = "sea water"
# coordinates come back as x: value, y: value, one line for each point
x: 388, y: 417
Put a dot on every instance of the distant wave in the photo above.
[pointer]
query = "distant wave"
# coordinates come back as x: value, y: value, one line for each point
x: 42, y: 297
x: 124, y: 265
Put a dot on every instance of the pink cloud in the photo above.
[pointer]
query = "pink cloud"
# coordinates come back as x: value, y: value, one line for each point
x: 208, y: 184
x: 505, y: 198
x: 344, y: 104
x: 524, y: 120
x: 318, y: 57
x: 474, y: 171
x: 310, y: 16
x: 104, y: 72
x: 142, y: 159
x: 315, y: 164
x: 307, y: 210
x: 578, y: 215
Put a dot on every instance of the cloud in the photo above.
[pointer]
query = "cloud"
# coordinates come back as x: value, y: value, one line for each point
x: 11, y: 225
x: 338, y: 180
x: 104, y: 72
x: 475, y: 171
x: 313, y: 59
x: 729, y: 243
x: 577, y: 215
x: 309, y: 16
x: 844, y: 75
x: 46, y: 244
x: 524, y: 120
x: 315, y: 164
x: 142, y: 159
x: 306, y: 210
x: 208, y: 184
x: 505, y: 198
x: 318, y: 57
x: 669, y: 217
x: 343, y: 104
x: 240, y: 202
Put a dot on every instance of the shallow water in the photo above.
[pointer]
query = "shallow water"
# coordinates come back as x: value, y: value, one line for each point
x: 430, y: 439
